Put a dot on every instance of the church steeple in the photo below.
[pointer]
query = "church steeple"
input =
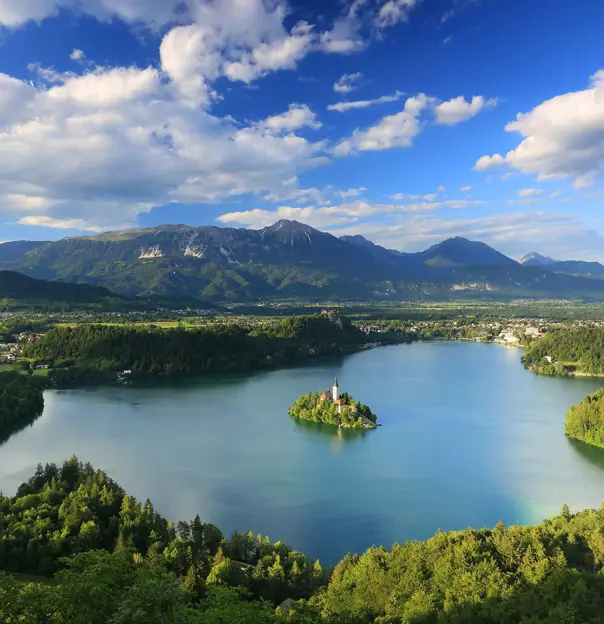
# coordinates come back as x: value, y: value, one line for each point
x: 336, y: 385
x: 335, y: 390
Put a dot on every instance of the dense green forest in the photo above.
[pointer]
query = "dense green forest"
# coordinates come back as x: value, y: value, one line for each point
x: 573, y: 350
x: 21, y: 400
x: 70, y: 509
x: 214, y: 348
x: 353, y: 415
x: 585, y: 420
x: 116, y: 560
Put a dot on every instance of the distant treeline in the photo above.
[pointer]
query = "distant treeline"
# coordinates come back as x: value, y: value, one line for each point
x: 577, y: 350
x: 216, y: 348
x: 21, y: 400
x: 585, y: 420
x: 116, y: 560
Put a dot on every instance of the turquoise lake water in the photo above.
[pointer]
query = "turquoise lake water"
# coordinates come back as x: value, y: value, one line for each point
x: 468, y: 438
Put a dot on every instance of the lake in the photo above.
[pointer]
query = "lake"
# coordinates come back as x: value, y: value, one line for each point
x: 468, y: 438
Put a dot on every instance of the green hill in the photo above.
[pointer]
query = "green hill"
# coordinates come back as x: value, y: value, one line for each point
x: 19, y: 291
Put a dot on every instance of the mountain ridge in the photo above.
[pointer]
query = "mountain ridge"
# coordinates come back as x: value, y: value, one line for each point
x: 570, y: 267
x: 288, y: 260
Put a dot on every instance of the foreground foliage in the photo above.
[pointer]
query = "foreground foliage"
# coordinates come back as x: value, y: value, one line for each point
x: 117, y: 561
x: 585, y: 420
x: 573, y: 350
x: 70, y: 509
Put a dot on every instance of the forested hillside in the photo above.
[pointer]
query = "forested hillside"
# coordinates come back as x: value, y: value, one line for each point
x: 21, y: 400
x: 578, y: 350
x: 153, y: 350
x: 117, y: 560
x: 585, y: 420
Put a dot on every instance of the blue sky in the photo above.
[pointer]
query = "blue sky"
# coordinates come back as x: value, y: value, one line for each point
x: 407, y: 121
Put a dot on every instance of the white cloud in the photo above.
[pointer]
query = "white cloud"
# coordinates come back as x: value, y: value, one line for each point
x: 397, y: 130
x: 393, y: 12
x: 430, y: 197
x: 486, y: 162
x: 561, y: 138
x: 298, y: 116
x: 347, y: 83
x: 530, y: 192
x: 353, y: 192
x: 457, y: 110
x: 60, y: 224
x: 342, y: 107
x: 400, y: 129
x: 346, y: 213
x: 153, y: 13
x: 77, y: 55
x: 513, y: 233
x: 103, y: 87
x: 113, y: 143
x: 465, y: 189
x: 442, y: 189
x: 15, y: 97
x: 268, y: 57
x: 258, y: 218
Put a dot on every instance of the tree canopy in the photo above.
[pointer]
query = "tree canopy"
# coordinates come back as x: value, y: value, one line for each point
x: 571, y: 350
x: 115, y: 560
x: 215, y: 348
x: 585, y: 420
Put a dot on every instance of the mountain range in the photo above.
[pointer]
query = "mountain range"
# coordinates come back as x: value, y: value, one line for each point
x: 572, y: 267
x: 287, y: 260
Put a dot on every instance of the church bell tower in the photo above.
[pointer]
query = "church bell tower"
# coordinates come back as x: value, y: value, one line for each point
x: 336, y: 390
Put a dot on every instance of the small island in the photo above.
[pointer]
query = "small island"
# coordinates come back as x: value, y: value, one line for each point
x: 585, y: 420
x: 334, y: 408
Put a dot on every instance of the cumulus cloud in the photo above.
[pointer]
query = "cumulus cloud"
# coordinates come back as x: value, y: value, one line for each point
x: 105, y: 146
x: 465, y: 189
x: 153, y: 13
x: 562, y: 138
x: 397, y: 130
x: 400, y: 130
x: 298, y: 116
x: 457, y: 110
x: 342, y: 107
x: 77, y: 55
x: 347, y: 83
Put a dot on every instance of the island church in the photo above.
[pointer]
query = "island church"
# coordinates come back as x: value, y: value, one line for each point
x: 333, y: 396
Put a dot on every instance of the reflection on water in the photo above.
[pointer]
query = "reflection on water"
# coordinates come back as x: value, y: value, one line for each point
x: 592, y: 454
x: 10, y: 430
x: 468, y: 437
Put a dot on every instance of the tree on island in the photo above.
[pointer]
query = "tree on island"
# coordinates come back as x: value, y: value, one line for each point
x: 333, y: 408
